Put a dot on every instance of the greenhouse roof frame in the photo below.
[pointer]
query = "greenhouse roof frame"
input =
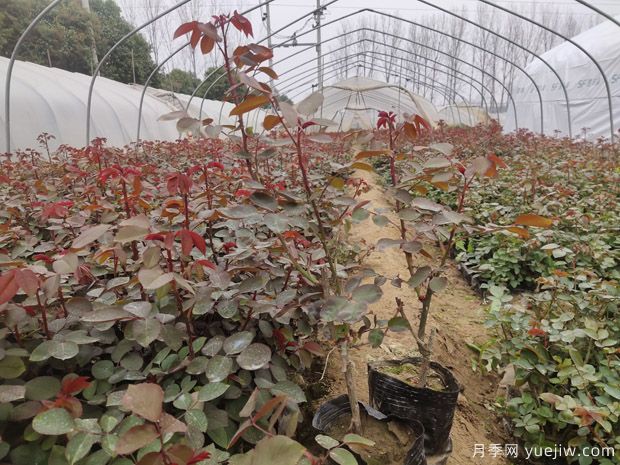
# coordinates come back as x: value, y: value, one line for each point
x: 317, y: 28
x: 407, y: 51
x: 380, y: 55
x: 366, y: 39
x: 434, y: 86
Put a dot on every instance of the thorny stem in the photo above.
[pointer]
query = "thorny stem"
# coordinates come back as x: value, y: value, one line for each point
x: 186, y: 208
x: 317, y: 214
x: 179, y: 301
x: 134, y: 247
x: 232, y: 84
x: 403, y: 227
x: 209, y: 226
x: 43, y: 309
x: 162, y: 452
x: 61, y: 298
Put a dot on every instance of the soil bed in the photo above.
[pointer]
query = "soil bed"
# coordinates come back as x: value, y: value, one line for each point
x: 410, y: 374
x: 393, y: 439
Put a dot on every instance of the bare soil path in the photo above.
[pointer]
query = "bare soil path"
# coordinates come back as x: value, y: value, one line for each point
x: 457, y: 314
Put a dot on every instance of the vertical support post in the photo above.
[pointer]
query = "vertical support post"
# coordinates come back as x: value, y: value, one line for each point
x: 133, y: 66
x: 319, y: 55
x: 91, y: 32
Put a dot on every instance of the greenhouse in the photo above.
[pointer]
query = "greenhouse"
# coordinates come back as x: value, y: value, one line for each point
x: 309, y: 232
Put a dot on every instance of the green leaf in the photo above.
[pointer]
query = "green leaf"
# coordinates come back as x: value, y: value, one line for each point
x: 380, y: 220
x: 254, y: 356
x: 279, y: 450
x: 375, y: 337
x: 219, y: 368
x: 42, y: 388
x: 212, y: 391
x: 78, y: 446
x: 102, y: 369
x: 419, y: 276
x: 438, y: 283
x: 289, y: 389
x: 11, y: 367
x: 264, y: 200
x: 196, y: 418
x: 237, y: 342
x: 326, y: 442
x: 612, y: 391
x: 398, y: 324
x: 53, y: 422
x: 144, y: 332
x: 357, y: 439
x: 342, y: 456
x: 10, y: 393
x: 368, y: 293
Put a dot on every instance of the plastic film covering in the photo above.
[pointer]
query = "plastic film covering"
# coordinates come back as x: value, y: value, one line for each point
x: 587, y: 94
x: 354, y: 103
x: 467, y: 115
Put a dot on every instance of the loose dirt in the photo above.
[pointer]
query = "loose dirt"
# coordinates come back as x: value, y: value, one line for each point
x: 456, y: 313
x: 392, y: 439
x: 410, y: 374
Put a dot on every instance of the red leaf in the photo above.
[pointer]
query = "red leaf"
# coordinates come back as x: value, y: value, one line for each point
x: 185, y: 28
x: 199, y: 242
x: 199, y: 458
x: 179, y: 183
x: 107, y: 173
x: 186, y: 241
x: 207, y: 263
x: 536, y: 332
x: 421, y: 122
x: 27, y: 281
x: 314, y: 348
x: 195, y: 38
x: 73, y: 384
x: 206, y: 44
x: 8, y: 286
x: 242, y: 24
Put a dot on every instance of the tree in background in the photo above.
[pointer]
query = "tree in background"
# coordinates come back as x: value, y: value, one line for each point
x: 179, y: 81
x: 62, y: 39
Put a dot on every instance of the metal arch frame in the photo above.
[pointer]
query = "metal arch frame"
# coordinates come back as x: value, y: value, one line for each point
x: 454, y: 70
x: 9, y: 71
x: 416, y: 24
x: 599, y: 11
x: 432, y: 86
x: 191, y: 97
x: 575, y: 44
x: 430, y: 48
x: 358, y: 63
x: 490, y: 31
x: 501, y: 57
x: 379, y: 54
x: 122, y: 40
x: 145, y: 86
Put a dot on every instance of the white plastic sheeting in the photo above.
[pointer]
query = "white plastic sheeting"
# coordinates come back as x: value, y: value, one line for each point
x: 53, y: 100
x: 464, y: 115
x: 586, y: 90
x: 354, y: 103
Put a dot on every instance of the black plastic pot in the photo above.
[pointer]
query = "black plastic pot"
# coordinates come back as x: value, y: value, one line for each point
x: 434, y: 409
x: 333, y: 409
